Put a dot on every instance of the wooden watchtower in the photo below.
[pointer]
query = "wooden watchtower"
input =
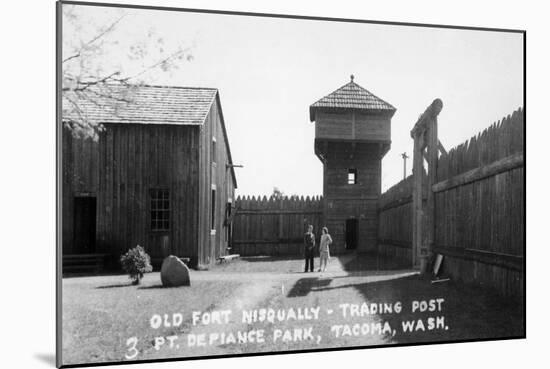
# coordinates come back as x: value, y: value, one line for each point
x: 352, y: 135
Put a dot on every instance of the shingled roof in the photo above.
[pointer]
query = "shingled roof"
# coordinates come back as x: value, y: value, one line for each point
x: 351, y: 96
x: 142, y: 104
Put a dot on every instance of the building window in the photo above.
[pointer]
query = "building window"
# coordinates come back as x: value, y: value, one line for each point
x: 160, y: 210
x: 214, y: 150
x: 352, y: 176
x: 213, y: 214
x: 228, y: 220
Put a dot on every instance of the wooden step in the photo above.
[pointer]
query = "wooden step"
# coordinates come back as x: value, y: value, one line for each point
x: 83, y: 263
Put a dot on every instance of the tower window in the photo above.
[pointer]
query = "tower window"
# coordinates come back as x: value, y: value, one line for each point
x: 352, y: 176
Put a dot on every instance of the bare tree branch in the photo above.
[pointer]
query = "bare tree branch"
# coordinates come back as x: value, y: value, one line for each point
x: 107, y: 30
x: 86, y: 84
x: 160, y: 62
x: 74, y: 56
x: 97, y: 37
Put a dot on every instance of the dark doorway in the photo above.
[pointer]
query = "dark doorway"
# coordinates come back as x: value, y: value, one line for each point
x: 351, y: 234
x: 84, y: 224
x: 228, y: 224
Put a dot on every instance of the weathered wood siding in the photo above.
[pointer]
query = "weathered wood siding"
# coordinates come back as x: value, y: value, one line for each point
x: 395, y: 221
x: 352, y: 125
x: 352, y: 201
x: 479, y: 208
x: 213, y: 239
x: 135, y: 158
x: 80, y: 165
x: 274, y: 227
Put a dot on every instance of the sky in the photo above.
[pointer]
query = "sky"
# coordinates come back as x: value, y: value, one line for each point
x: 269, y: 71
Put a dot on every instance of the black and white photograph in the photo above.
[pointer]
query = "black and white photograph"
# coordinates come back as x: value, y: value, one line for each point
x: 274, y: 184
x: 235, y: 184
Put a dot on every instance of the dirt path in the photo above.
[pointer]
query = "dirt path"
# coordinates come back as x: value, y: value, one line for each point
x: 259, y: 288
x: 465, y: 312
x: 282, y: 291
x: 101, y: 313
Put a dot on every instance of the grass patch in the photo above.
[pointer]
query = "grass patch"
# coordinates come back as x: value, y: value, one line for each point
x: 101, y: 313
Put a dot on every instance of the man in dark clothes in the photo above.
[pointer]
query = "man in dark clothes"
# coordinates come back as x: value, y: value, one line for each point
x: 309, y: 246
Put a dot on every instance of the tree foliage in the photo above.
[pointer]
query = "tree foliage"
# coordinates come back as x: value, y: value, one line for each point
x: 103, y: 48
x: 277, y: 193
x: 136, y: 262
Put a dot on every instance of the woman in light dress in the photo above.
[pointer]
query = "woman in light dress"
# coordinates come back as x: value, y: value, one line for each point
x: 324, y: 250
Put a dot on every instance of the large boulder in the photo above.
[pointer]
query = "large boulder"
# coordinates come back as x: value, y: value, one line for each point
x: 174, y: 272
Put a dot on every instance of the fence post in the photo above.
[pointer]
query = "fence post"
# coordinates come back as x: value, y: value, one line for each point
x: 417, y: 201
x: 425, y: 137
x: 433, y: 151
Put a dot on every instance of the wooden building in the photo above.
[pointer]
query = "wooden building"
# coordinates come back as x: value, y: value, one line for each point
x: 352, y: 134
x: 159, y: 174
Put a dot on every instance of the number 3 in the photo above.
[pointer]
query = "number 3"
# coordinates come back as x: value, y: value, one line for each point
x: 132, y: 351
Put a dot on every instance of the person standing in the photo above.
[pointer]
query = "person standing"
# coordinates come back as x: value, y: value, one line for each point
x: 309, y: 247
x: 324, y: 251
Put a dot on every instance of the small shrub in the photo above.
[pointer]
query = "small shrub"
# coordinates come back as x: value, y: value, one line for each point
x: 136, y: 262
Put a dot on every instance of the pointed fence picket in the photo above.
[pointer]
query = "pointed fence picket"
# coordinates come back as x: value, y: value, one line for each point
x: 274, y: 226
x: 479, y: 216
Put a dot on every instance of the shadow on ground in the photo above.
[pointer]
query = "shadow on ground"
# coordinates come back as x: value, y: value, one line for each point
x: 116, y: 285
x: 468, y: 312
x: 372, y: 262
x: 270, y: 258
x: 108, y: 273
x: 304, y: 286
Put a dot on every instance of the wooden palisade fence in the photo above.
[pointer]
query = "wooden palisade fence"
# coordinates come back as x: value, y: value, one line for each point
x: 274, y: 226
x: 395, y: 221
x: 479, y: 208
x: 476, y: 219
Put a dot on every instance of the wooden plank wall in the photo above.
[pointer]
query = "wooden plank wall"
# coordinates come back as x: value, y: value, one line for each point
x: 135, y: 158
x: 80, y: 163
x: 395, y: 232
x: 479, y: 210
x: 352, y: 125
x: 479, y: 214
x: 216, y: 172
x: 274, y: 227
x: 395, y: 221
x: 352, y: 201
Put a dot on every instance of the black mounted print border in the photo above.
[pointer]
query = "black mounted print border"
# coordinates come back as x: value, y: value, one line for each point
x: 237, y: 184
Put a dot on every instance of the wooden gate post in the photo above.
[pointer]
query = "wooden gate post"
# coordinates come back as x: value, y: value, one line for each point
x: 425, y: 138
x: 433, y: 156
x: 417, y: 200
